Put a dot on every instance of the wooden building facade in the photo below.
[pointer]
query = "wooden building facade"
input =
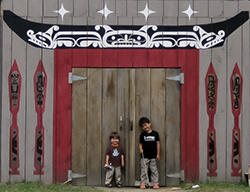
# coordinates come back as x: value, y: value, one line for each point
x: 73, y: 71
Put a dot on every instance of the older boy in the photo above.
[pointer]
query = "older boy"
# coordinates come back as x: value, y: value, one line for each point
x: 150, y: 150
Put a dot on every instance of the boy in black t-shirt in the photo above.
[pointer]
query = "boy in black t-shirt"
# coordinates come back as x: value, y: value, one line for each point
x: 150, y: 150
x: 114, y: 160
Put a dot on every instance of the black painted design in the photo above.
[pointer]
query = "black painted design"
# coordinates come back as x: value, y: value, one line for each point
x: 236, y: 148
x: 40, y: 88
x: 39, y: 148
x: 51, y: 36
x: 211, y: 85
x: 14, y: 150
x: 14, y: 88
x: 236, y: 91
x: 211, y: 151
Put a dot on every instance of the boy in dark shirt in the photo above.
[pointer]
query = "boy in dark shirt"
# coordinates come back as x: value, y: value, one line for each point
x: 114, y: 160
x: 150, y: 150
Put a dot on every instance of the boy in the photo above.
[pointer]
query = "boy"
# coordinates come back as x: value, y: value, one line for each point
x: 114, y: 160
x: 150, y: 151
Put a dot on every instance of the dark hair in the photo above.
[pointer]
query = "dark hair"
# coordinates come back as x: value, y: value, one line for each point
x: 143, y: 120
x: 114, y: 135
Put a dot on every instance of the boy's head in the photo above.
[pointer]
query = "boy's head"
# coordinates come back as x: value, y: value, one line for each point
x: 114, y: 139
x: 145, y: 124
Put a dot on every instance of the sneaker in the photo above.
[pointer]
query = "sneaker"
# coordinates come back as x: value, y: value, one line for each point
x: 118, y: 185
x: 143, y: 186
x: 108, y: 185
x: 156, y: 186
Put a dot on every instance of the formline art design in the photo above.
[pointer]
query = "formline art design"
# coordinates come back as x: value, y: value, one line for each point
x: 40, y: 85
x: 15, y: 82
x: 211, y: 83
x: 51, y: 36
x: 236, y: 84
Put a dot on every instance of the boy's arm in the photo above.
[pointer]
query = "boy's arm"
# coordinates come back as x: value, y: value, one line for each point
x: 158, y: 150
x: 122, y: 157
x: 107, y: 160
x: 140, y: 148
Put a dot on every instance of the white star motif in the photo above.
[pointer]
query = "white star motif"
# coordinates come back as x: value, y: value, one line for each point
x: 105, y: 11
x: 146, y: 12
x: 62, y: 11
x: 189, y: 12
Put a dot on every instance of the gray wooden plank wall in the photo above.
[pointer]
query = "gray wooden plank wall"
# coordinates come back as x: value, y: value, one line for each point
x: 236, y: 49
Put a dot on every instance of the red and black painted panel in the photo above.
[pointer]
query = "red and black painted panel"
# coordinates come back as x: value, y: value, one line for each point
x: 211, y: 84
x: 15, y: 82
x: 236, y: 84
x: 40, y: 85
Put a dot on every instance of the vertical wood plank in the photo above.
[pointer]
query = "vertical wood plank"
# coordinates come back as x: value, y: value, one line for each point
x: 172, y: 128
x: 170, y: 8
x: 48, y: 62
x: 35, y: 8
x: 230, y: 8
x: 94, y: 134
x: 142, y: 108
x: 19, y: 53
x: 216, y: 8
x: 50, y: 7
x: 79, y: 115
x: 205, y: 59
x: 245, y: 5
x: 109, y: 110
x: 33, y: 58
x: 132, y: 126
x: 219, y: 61
x: 5, y: 108
x: 233, y: 56
x: 158, y: 115
x: 20, y: 7
x: 123, y: 117
x: 81, y: 8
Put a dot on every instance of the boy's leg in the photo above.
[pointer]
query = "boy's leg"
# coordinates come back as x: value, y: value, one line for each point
x: 154, y: 171
x: 109, y: 176
x: 144, y: 170
x: 118, y: 175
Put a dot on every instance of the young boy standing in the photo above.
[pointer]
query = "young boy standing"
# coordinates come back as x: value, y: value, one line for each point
x: 114, y: 160
x: 150, y: 150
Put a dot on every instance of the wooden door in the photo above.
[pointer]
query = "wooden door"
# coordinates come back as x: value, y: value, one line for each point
x: 114, y: 100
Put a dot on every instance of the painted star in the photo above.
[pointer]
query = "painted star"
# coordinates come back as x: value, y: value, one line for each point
x: 105, y: 11
x: 146, y: 12
x: 189, y: 12
x: 62, y: 11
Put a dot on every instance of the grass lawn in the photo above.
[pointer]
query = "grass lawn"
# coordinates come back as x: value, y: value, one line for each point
x: 218, y: 187
x: 38, y: 187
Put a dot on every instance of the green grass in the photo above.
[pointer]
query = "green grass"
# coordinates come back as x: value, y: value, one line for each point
x: 38, y: 187
x: 218, y: 187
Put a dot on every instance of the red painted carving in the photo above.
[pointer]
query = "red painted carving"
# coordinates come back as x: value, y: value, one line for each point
x: 211, y: 83
x: 236, y: 84
x: 40, y: 85
x: 15, y: 82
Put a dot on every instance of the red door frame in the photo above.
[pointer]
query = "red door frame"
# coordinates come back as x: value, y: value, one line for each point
x: 65, y: 60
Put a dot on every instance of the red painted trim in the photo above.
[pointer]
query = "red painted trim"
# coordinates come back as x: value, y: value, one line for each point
x: 62, y: 115
x: 187, y: 60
